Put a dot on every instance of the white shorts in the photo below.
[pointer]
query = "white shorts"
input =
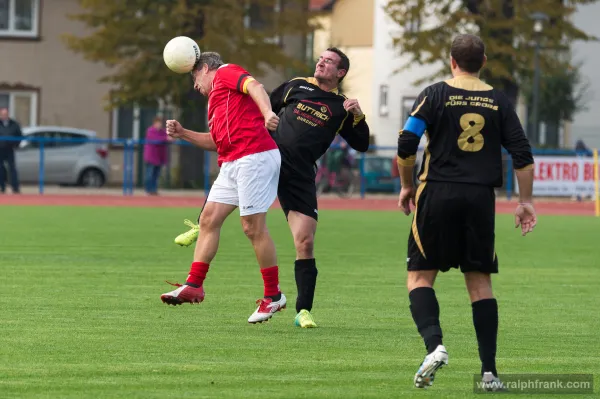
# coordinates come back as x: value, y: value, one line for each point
x: 249, y: 182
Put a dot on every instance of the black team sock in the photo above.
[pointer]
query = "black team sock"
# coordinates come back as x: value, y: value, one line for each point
x: 305, y: 271
x: 485, y: 320
x: 426, y: 314
x: 192, y: 285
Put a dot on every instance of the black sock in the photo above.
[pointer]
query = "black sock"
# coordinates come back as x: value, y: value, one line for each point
x: 306, y: 281
x: 426, y: 314
x: 275, y: 298
x: 192, y: 285
x: 485, y: 320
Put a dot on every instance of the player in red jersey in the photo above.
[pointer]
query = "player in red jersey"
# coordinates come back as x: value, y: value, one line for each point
x: 239, y: 113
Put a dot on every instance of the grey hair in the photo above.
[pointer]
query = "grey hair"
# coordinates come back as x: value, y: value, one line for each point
x: 211, y: 59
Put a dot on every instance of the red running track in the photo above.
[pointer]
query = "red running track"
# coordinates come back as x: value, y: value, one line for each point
x: 542, y: 207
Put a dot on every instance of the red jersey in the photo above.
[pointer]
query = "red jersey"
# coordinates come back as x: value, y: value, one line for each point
x: 236, y: 124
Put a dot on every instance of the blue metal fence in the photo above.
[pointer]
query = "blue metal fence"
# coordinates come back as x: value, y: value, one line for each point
x: 129, y: 147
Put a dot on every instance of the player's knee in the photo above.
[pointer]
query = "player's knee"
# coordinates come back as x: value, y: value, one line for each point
x: 419, y: 279
x: 305, y: 244
x: 479, y: 286
x: 253, y: 226
x: 209, y: 219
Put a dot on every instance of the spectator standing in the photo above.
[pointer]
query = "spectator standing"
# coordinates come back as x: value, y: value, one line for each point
x: 155, y: 154
x: 9, y: 128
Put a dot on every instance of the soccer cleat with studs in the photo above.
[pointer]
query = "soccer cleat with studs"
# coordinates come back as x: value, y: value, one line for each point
x: 183, y: 294
x: 491, y: 383
x: 189, y: 237
x: 266, y: 309
x: 431, y: 364
x: 304, y: 319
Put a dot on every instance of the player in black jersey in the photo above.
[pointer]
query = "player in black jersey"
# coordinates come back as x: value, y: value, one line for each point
x: 467, y: 122
x: 311, y: 113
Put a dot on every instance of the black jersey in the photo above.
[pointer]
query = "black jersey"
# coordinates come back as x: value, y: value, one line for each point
x: 467, y: 123
x: 310, y: 118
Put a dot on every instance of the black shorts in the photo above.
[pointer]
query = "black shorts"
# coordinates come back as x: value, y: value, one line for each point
x: 297, y: 193
x: 453, y: 226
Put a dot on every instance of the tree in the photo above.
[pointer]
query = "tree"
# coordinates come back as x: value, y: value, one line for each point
x: 562, y: 94
x: 129, y: 36
x: 505, y: 26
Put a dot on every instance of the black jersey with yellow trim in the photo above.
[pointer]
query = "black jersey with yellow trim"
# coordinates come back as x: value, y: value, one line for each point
x: 309, y: 120
x: 467, y: 122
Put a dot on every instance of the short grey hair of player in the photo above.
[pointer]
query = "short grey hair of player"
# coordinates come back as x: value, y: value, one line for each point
x: 211, y: 59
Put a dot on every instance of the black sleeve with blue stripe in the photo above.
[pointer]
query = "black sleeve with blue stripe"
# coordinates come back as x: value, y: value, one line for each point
x: 413, y: 130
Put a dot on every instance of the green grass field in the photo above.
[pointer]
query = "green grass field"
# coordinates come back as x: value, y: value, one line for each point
x: 82, y: 318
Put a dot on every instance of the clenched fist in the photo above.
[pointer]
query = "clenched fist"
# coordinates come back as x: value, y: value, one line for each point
x: 174, y: 129
x: 271, y: 121
x: 352, y: 105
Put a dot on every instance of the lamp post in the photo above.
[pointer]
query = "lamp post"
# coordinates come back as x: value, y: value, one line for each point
x: 538, y: 26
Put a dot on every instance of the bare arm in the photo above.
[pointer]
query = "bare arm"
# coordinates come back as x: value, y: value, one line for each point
x: 201, y: 140
x: 407, y: 183
x: 406, y: 174
x: 408, y: 145
x: 515, y: 141
x: 525, y: 213
x: 260, y: 97
x: 525, y: 181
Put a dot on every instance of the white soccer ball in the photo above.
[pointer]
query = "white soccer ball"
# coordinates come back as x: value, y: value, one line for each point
x: 180, y: 54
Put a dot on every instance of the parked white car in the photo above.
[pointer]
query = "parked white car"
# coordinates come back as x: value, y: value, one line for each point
x: 82, y: 163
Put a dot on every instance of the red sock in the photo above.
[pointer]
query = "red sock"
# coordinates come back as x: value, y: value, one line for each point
x: 270, y: 277
x: 197, y: 273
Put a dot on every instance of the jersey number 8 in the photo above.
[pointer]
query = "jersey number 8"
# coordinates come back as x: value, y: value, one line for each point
x: 471, y: 139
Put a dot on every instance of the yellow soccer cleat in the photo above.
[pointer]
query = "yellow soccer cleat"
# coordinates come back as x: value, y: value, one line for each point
x: 189, y: 237
x: 304, y: 319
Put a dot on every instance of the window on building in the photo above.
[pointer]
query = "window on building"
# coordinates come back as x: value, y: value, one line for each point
x: 383, y: 100
x: 131, y: 122
x: 263, y: 15
x: 22, y: 106
x: 123, y: 123
x: 19, y: 18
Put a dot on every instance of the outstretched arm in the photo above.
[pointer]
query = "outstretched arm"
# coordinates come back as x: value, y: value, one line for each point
x: 201, y: 140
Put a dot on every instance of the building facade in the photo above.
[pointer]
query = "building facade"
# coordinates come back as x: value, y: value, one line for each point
x: 365, y: 32
x: 586, y: 125
x: 42, y: 82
